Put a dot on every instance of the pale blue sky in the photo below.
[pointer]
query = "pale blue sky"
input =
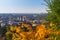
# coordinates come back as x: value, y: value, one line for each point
x: 22, y: 6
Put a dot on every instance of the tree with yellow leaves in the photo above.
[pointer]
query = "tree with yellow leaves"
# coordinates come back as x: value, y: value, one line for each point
x: 40, y: 32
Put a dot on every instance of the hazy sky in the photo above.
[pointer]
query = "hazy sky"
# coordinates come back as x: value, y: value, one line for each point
x: 22, y: 6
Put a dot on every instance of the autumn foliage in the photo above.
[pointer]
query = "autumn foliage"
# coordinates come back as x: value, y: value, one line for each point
x: 25, y: 32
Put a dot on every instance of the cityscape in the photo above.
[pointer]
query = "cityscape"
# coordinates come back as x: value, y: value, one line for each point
x: 16, y: 19
x: 29, y: 19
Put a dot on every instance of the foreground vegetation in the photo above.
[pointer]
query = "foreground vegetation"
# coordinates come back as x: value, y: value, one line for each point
x: 25, y: 32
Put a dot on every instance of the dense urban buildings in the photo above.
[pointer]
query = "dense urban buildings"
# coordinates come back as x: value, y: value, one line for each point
x: 16, y: 19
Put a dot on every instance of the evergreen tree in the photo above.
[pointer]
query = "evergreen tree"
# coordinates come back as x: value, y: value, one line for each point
x: 54, y: 12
